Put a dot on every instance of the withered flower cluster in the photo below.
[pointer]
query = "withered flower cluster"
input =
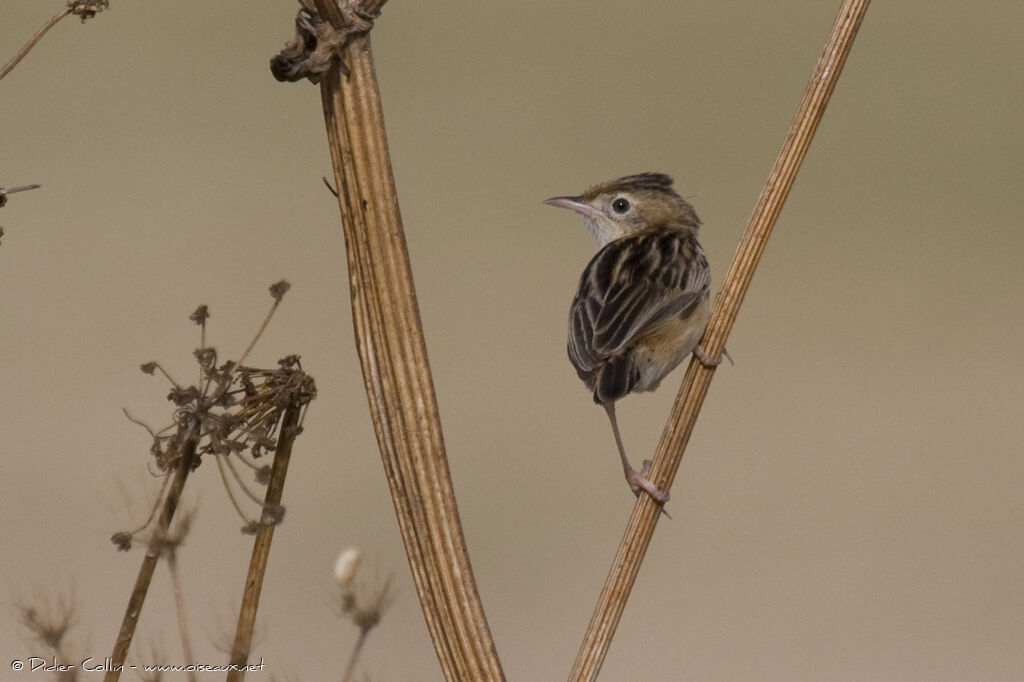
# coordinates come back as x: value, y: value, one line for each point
x: 232, y: 413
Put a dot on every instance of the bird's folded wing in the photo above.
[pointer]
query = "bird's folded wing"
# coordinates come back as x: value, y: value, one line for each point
x: 631, y: 287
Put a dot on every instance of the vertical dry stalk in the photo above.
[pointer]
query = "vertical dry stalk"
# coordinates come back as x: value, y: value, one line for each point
x: 261, y: 545
x: 695, y: 385
x: 149, y: 561
x: 396, y: 373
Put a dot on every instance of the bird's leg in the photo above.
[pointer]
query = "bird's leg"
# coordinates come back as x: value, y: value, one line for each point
x: 707, y: 360
x: 637, y: 479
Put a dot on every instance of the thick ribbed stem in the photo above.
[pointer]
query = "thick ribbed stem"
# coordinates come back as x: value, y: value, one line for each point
x: 396, y: 373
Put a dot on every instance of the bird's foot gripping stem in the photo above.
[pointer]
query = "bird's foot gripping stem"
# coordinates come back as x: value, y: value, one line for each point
x: 638, y: 481
x: 709, y: 361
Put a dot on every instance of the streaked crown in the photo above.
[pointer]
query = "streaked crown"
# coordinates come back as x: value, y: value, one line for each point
x: 631, y: 204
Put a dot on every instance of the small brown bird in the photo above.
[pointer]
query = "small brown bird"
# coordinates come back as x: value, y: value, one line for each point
x: 643, y: 300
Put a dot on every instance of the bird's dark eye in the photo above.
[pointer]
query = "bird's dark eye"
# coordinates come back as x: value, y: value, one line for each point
x: 620, y: 205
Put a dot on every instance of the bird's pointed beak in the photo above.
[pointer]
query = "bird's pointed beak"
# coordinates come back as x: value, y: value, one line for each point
x: 573, y: 204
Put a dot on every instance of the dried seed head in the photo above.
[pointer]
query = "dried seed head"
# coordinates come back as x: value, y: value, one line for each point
x: 233, y: 412
x: 87, y: 9
x: 206, y: 357
x: 201, y: 315
x: 183, y: 396
x: 263, y: 473
x: 48, y: 619
x: 279, y: 289
x: 122, y: 540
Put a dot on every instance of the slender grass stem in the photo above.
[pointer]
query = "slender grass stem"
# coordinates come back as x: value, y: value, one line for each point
x: 646, y: 513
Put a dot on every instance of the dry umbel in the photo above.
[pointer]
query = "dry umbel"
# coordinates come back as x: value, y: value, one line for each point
x: 237, y: 415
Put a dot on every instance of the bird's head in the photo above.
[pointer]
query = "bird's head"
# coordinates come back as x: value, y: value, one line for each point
x: 628, y: 205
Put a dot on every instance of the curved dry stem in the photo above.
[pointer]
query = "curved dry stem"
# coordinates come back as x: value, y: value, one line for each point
x: 645, y: 515
x: 33, y: 40
x: 259, y: 332
x: 227, y: 489
x: 396, y: 373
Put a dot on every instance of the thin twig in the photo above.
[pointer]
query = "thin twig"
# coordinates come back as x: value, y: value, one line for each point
x: 33, y: 40
x: 19, y: 188
x: 396, y: 372
x: 227, y: 488
x: 4, y: 191
x: 644, y: 518
x: 261, y: 545
x: 238, y: 479
x: 149, y: 561
x: 259, y: 332
x: 151, y: 367
x: 245, y: 460
x: 354, y: 656
x: 154, y: 508
x: 141, y: 423
x: 331, y: 189
x: 179, y: 604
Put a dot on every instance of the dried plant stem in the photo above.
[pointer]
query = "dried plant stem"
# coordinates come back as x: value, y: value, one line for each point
x: 238, y: 479
x: 227, y: 488
x: 396, y: 373
x: 153, y: 510
x: 179, y: 605
x: 20, y: 188
x: 691, y: 394
x: 261, y: 546
x: 259, y: 332
x: 149, y: 561
x: 354, y: 656
x: 33, y: 40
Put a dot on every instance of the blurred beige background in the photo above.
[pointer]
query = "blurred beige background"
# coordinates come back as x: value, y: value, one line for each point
x: 851, y: 504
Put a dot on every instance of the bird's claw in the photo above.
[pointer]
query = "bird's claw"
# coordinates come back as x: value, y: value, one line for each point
x: 707, y: 360
x: 638, y: 482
